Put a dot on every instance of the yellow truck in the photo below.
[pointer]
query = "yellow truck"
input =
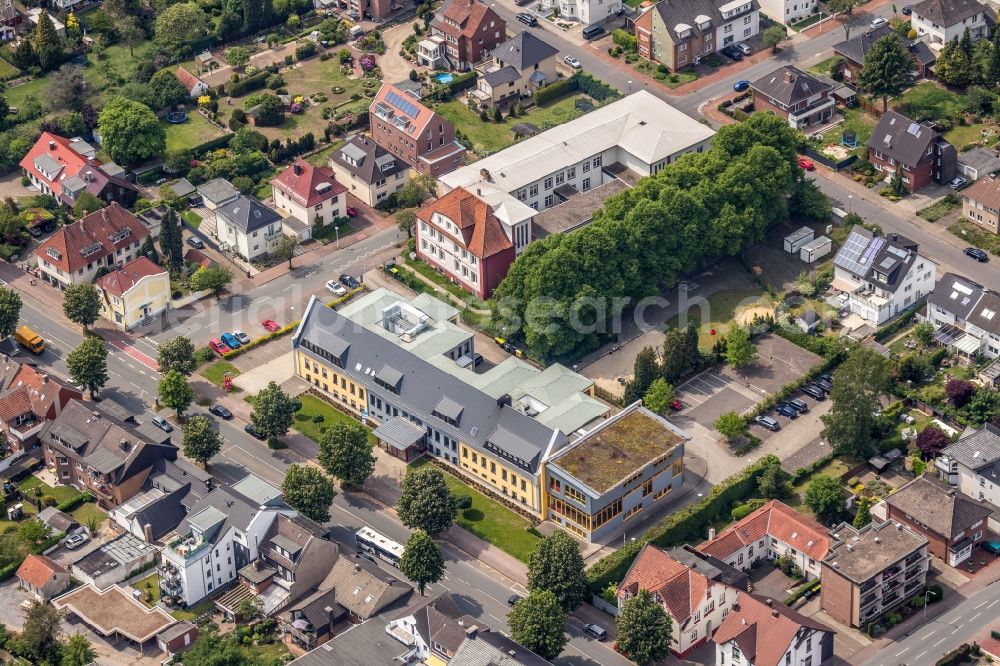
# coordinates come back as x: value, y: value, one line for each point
x: 30, y: 340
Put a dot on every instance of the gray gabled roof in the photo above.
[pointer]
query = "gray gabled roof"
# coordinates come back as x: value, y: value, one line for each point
x: 247, y: 214
x: 486, y: 422
x: 502, y: 76
x: 685, y: 13
x: 856, y: 48
x: 881, y: 260
x: 948, y: 12
x: 789, y: 85
x: 901, y: 138
x: 400, y: 432
x: 523, y: 51
x: 978, y: 449
x: 940, y: 508
x: 48, y: 164
x: 369, y: 159
x: 968, y: 301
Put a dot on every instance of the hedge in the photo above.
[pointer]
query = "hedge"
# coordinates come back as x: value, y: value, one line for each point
x: 212, y: 144
x: 556, y: 90
x: 581, y: 81
x: 745, y: 509
x: 74, y: 502
x: 804, y: 472
x: 7, y: 572
x: 462, y: 82
x: 682, y: 525
x: 802, y: 591
x: 899, y: 323
x: 243, y: 86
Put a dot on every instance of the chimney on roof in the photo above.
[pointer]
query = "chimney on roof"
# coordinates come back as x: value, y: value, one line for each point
x: 775, y: 612
x: 504, y: 400
x: 357, y: 567
x: 788, y: 76
x: 96, y: 414
x: 769, y: 602
x: 711, y: 533
x: 45, y: 379
x: 147, y: 533
x: 878, y: 540
x: 744, y: 620
x: 52, y: 145
x: 895, y: 237
x: 951, y: 492
x: 297, y: 168
x: 472, y: 631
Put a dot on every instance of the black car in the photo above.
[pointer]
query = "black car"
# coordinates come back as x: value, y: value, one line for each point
x: 195, y: 242
x: 786, y: 410
x: 823, y: 384
x: 767, y: 422
x: 800, y: 405
x: 814, y: 392
x: 513, y: 600
x: 349, y: 281
x: 827, y: 377
x: 977, y: 254
x: 906, y: 10
x: 253, y: 432
x: 522, y: 3
x: 527, y: 19
x: 731, y: 53
x: 220, y: 411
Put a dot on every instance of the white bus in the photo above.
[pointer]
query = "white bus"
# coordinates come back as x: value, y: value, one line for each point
x: 372, y: 542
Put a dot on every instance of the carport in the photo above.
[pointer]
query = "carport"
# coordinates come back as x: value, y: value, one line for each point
x: 401, y: 438
x: 115, y: 612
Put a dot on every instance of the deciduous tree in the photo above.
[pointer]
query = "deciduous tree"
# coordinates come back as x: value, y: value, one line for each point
x: 659, y: 396
x: 285, y: 249
x: 825, y: 496
x: 86, y: 203
x: 178, y: 355
x: 740, y: 351
x: 858, y: 384
x: 273, y: 412
x: 130, y: 131
x: 167, y: 89
x: 426, y: 503
x: 960, y: 391
x: 538, y: 623
x: 88, y: 365
x: 201, y: 442
x: 10, y: 311
x: 77, y: 651
x: 773, y: 36
x: 887, y: 68
x: 346, y: 454
x: 773, y: 483
x: 82, y: 303
x: 308, y: 491
x: 731, y: 425
x: 644, y: 629
x: 556, y: 565
x: 405, y: 219
x: 215, y: 278
x: 422, y: 561
x: 179, y: 24
x: 175, y: 392
x: 931, y: 441
x: 68, y: 89
x: 39, y: 640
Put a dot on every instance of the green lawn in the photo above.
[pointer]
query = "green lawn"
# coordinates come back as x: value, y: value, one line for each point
x: 491, y: 521
x: 216, y: 372
x: 322, y: 157
x: 194, y: 132
x: 192, y: 218
x: 489, y: 137
x: 191, y: 614
x: 940, y: 208
x: 670, y: 80
x: 7, y: 70
x: 264, y: 191
x: 927, y: 101
x: 312, y: 407
x: 974, y: 235
x: 835, y: 468
x: 823, y: 66
x: 60, y: 493
x: 150, y: 584
x: 329, y: 233
x: 83, y: 513
x: 963, y: 135
x: 722, y: 308
x: 805, y: 23
x: 428, y: 272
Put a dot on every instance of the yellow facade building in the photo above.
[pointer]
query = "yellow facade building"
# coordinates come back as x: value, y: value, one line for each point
x: 133, y: 294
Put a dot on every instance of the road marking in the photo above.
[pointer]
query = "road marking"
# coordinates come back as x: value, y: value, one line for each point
x: 921, y: 654
x: 975, y: 616
x: 926, y: 637
x: 994, y: 603
x: 940, y: 641
x: 981, y: 605
x: 902, y: 651
x: 953, y: 620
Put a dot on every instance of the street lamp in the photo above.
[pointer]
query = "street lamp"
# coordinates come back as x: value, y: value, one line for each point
x: 625, y: 534
x: 850, y: 203
x: 926, y: 592
x: 629, y: 87
x: 336, y: 229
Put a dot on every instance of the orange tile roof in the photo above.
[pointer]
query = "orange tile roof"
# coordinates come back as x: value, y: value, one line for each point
x: 420, y: 116
x: 60, y: 149
x: 121, y: 280
x: 67, y: 243
x: 187, y: 79
x: 482, y: 233
x: 777, y: 520
x: 38, y: 570
x: 33, y: 391
x: 307, y: 184
x: 680, y: 588
x: 985, y: 191
x: 763, y: 632
x: 468, y: 14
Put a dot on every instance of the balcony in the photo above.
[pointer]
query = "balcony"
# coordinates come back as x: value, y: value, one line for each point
x: 168, y: 572
x: 187, y: 546
x: 912, y: 572
x: 891, y: 572
x: 867, y: 586
x: 890, y: 586
x: 912, y: 585
x: 867, y: 601
x: 915, y: 557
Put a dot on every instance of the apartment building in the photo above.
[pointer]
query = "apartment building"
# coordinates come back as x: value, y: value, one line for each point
x: 787, y: 12
x: 248, y: 227
x: 65, y: 168
x: 953, y: 522
x: 972, y: 464
x: 414, y: 133
x: 871, y: 571
x: 964, y: 314
x: 882, y: 276
x: 941, y: 21
x: 981, y: 203
x: 801, y: 98
x: 469, y: 30
x: 369, y: 171
x: 679, y: 33
x: 759, y: 631
x: 916, y: 151
x: 107, y: 238
x: 624, y: 467
x: 310, y: 194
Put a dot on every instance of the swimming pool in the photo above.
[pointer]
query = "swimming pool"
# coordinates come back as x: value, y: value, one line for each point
x: 443, y: 78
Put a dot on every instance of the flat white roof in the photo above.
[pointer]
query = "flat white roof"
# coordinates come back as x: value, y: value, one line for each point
x: 641, y: 124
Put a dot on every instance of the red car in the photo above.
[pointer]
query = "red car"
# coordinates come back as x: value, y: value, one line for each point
x: 270, y: 325
x: 219, y: 347
x: 352, y: 212
x: 806, y: 164
x: 676, y: 405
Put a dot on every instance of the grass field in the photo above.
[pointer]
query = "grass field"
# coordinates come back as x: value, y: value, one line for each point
x: 489, y: 137
x: 721, y: 310
x: 940, y: 208
x: 196, y: 131
x: 962, y: 135
x: 191, y: 614
x: 83, y: 513
x: 313, y: 406
x: 322, y: 157
x: 7, y: 70
x: 835, y: 468
x: 974, y: 235
x: 216, y: 372
x: 927, y: 101
x: 150, y: 584
x: 669, y: 79
x: 491, y: 521
x: 192, y: 218
x: 60, y: 493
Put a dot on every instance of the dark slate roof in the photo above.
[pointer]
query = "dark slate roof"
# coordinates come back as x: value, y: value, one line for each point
x: 967, y: 300
x: 323, y: 610
x: 485, y: 424
x: 248, y: 214
x: 948, y: 12
x: 978, y: 449
x: 164, y: 513
x: 939, y: 507
x: 856, y: 48
x: 899, y: 137
x: 491, y: 648
x: 523, y: 51
x: 712, y: 567
x: 789, y: 85
x: 502, y: 76
x: 882, y: 260
x: 236, y: 508
x: 683, y: 13
x: 368, y: 160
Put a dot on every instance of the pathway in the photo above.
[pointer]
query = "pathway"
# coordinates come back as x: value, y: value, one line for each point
x: 394, y: 66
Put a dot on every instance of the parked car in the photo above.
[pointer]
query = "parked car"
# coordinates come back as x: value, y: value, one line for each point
x: 349, y: 281
x: 786, y: 410
x: 827, y: 377
x: 522, y: 3
x: 74, y: 541
x: 362, y: 555
x: 977, y: 254
x: 878, y: 22
x: 513, y: 599
x: 592, y: 32
x: 676, y: 405
x: 352, y: 211
x: 814, y: 392
x: 823, y: 384
x: 906, y: 10
x: 957, y: 182
x: 572, y: 62
x: 595, y: 631
x: 992, y: 547
x: 162, y: 423
x: 743, y: 48
x: 527, y: 19
x: 767, y: 422
x: 741, y: 85
x: 220, y: 411
x: 216, y: 345
x: 732, y: 53
x: 242, y: 337
x: 336, y: 288
x: 253, y: 432
x: 800, y: 405
x: 271, y: 325
x: 195, y: 242
x: 230, y: 340
x: 807, y: 164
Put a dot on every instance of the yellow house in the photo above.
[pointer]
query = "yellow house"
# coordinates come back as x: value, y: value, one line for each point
x: 134, y: 293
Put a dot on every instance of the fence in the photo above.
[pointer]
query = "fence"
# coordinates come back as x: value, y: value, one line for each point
x: 823, y: 159
x: 602, y: 605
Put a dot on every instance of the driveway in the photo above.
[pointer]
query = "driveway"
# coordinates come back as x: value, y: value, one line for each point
x: 394, y: 66
x: 10, y: 186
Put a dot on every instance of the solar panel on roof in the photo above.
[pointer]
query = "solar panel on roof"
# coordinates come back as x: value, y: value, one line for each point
x: 898, y: 251
x: 409, y: 108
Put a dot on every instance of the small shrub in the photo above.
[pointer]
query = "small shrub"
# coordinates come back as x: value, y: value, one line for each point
x: 318, y: 418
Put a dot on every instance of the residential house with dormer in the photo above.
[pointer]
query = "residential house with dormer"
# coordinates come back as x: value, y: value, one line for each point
x: 470, y: 29
x: 791, y: 93
x: 414, y: 133
x: 310, y: 194
x: 370, y: 171
x: 29, y: 399
x: 972, y: 464
x: 759, y: 631
x: 965, y: 315
x: 916, y: 151
x: 64, y: 168
x: 248, y: 227
x: 680, y: 33
x: 520, y: 67
x: 941, y: 21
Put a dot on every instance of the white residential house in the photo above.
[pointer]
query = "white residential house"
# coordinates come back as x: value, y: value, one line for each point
x: 789, y: 11
x: 881, y: 276
x: 309, y: 193
x: 940, y: 21
x: 587, y: 12
x: 965, y: 315
x: 248, y: 227
x: 973, y: 464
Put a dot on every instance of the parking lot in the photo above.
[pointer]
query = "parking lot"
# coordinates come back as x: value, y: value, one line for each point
x: 711, y: 394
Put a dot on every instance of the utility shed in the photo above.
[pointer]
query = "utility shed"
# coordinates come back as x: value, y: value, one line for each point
x: 816, y: 248
x: 795, y: 240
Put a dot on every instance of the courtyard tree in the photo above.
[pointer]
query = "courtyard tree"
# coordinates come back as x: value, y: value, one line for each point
x: 77, y: 651
x: 773, y: 483
x: 538, y: 623
x: 215, y: 278
x: 273, y: 411
x: 731, y: 425
x: 645, y: 370
x: 960, y: 391
x: 426, y: 503
x: 88, y: 365
x: 405, y: 219
x: 659, y: 396
x: 858, y: 384
x: 167, y: 89
x: 422, y: 561
x: 924, y: 333
x: 931, y: 441
x: 556, y: 565
x: 201, y: 442
x: 825, y: 496
x: 130, y: 131
x: 10, y: 311
x: 346, y: 454
x: 309, y: 491
x: 886, y: 71
x: 740, y: 350
x: 175, y: 392
x: 82, y: 304
x: 644, y: 629
x: 285, y: 249
x: 177, y: 354
x: 863, y: 514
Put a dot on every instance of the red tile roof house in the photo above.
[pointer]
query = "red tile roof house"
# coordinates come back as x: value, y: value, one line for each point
x: 134, y: 293
x: 773, y: 530
x: 470, y: 30
x: 27, y: 402
x: 310, y: 194
x: 195, y: 86
x: 65, y: 167
x: 695, y: 603
x: 106, y: 238
x: 417, y: 135
x: 41, y: 577
x: 759, y: 631
x: 461, y: 237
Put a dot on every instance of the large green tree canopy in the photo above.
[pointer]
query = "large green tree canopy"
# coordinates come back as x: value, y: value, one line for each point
x: 130, y: 131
